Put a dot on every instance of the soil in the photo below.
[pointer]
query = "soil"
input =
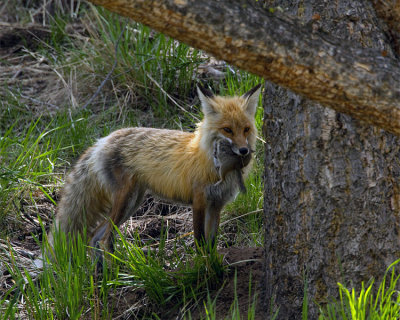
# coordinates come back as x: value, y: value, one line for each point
x: 245, y: 276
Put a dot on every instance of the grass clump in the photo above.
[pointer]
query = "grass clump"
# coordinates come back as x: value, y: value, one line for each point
x: 383, y: 304
x: 33, y: 157
x: 149, y: 70
x: 167, y: 279
x: 66, y: 288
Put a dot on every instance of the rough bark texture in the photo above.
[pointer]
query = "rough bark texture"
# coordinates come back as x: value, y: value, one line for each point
x: 331, y: 184
x: 362, y: 83
x: 389, y: 12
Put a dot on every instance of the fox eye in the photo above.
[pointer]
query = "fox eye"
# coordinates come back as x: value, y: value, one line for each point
x: 228, y: 130
x: 247, y: 129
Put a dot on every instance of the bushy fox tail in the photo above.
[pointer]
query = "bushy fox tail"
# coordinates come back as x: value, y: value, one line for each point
x: 84, y: 202
x: 83, y: 206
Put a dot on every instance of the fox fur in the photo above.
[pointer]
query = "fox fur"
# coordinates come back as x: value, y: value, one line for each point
x: 110, y: 179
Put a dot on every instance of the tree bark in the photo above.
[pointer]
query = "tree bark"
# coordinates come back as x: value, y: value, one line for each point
x: 331, y: 183
x: 389, y: 12
x: 346, y: 77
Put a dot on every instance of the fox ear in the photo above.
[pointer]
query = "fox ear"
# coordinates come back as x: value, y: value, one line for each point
x: 251, y: 98
x: 205, y: 96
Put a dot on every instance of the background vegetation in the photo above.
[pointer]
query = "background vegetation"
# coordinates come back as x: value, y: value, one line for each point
x: 71, y: 74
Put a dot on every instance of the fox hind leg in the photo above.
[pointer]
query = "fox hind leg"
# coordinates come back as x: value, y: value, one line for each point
x: 125, y: 201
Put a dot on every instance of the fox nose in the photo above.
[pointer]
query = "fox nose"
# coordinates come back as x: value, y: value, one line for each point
x: 244, y: 151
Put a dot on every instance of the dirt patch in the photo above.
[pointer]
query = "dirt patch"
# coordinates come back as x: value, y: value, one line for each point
x: 242, y: 283
x: 246, y: 267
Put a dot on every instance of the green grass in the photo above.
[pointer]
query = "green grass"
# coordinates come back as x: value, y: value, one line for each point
x: 35, y: 154
x: 212, y: 313
x: 152, y: 83
x: 64, y: 289
x: 148, y: 65
x: 69, y: 286
x: 183, y: 280
x: 370, y: 302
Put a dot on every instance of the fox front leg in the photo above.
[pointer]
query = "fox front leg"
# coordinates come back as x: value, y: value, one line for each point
x: 205, y: 224
x: 199, y: 208
x: 211, y: 222
x: 206, y: 213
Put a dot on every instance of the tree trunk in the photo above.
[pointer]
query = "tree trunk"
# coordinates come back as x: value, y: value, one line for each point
x: 332, y: 202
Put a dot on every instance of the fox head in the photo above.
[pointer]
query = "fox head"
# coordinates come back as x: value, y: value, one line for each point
x: 230, y: 118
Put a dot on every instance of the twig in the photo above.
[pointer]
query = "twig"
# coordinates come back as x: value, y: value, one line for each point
x: 244, y: 261
x: 171, y: 240
x: 241, y: 216
x: 260, y: 139
x: 110, y: 72
x: 68, y: 86
x: 32, y: 99
x: 38, y: 101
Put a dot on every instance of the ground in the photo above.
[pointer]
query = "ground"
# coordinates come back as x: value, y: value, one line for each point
x: 245, y: 263
x: 35, y: 79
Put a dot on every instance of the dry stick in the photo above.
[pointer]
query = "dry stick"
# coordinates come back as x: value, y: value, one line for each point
x: 174, y: 239
x: 109, y: 73
x: 241, y: 216
x: 38, y: 101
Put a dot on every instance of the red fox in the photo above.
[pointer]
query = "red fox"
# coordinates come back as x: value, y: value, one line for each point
x: 108, y: 182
